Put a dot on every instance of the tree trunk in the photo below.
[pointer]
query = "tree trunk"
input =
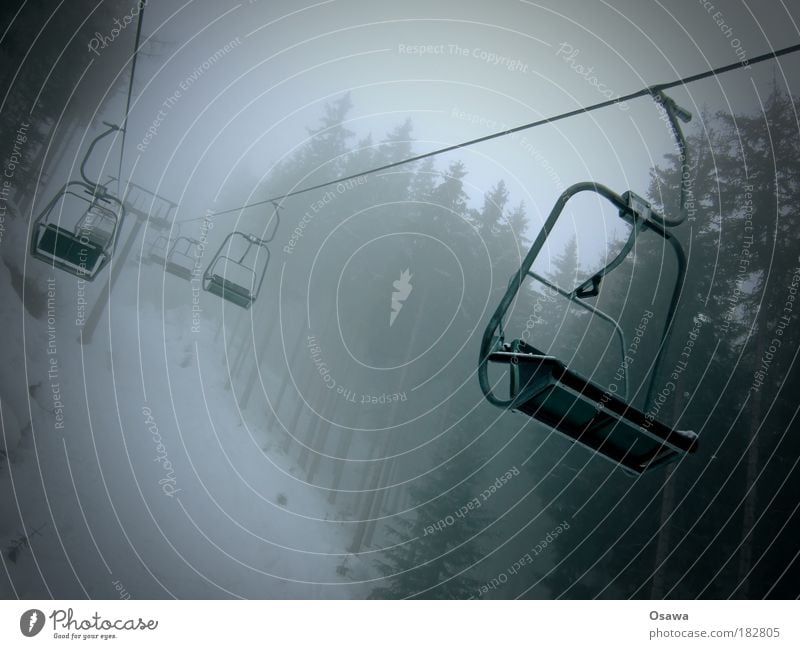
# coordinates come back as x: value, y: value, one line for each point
x: 750, y: 501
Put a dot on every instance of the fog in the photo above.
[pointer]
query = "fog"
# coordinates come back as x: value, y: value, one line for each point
x: 332, y: 440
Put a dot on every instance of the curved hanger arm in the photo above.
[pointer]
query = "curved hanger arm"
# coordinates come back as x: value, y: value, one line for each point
x: 276, y: 213
x: 572, y: 297
x: 680, y: 257
x: 98, y: 187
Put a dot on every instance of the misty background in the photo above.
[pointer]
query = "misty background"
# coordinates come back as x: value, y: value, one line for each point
x: 327, y: 443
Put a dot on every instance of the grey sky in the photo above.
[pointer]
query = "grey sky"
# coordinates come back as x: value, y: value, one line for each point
x: 229, y: 89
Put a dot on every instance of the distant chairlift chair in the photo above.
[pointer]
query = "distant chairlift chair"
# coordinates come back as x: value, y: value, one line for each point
x: 543, y: 387
x: 238, y: 277
x: 158, y: 251
x: 179, y: 259
x: 182, y: 257
x: 85, y: 248
x: 157, y: 210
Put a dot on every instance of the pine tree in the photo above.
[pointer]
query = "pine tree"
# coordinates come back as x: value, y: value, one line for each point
x: 450, y: 193
x: 423, y: 181
x: 743, y: 242
x: 428, y: 565
x: 494, y: 204
x: 518, y: 222
x: 325, y: 157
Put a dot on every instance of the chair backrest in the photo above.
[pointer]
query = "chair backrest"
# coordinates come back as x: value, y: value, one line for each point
x: 180, y: 261
x: 632, y: 209
x: 98, y: 225
x: 158, y: 249
x: 83, y: 247
x: 183, y: 247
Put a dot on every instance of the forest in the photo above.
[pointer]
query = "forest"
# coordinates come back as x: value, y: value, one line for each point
x: 376, y: 400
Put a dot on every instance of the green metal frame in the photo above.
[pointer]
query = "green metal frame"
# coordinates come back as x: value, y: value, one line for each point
x: 544, y: 388
x: 214, y: 279
x: 73, y: 250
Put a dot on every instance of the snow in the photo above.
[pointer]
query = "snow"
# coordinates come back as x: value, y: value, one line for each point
x: 154, y: 479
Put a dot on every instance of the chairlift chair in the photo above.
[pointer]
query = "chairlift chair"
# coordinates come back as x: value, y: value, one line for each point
x: 157, y: 210
x: 182, y: 257
x: 159, y: 248
x: 543, y: 387
x: 85, y: 248
x: 238, y: 278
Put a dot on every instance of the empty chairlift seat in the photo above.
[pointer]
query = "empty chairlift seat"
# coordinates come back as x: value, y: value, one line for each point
x: 543, y: 387
x: 237, y: 270
x: 157, y: 210
x: 179, y: 258
x: 77, y: 230
x: 157, y: 253
x: 84, y: 246
x: 182, y: 258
